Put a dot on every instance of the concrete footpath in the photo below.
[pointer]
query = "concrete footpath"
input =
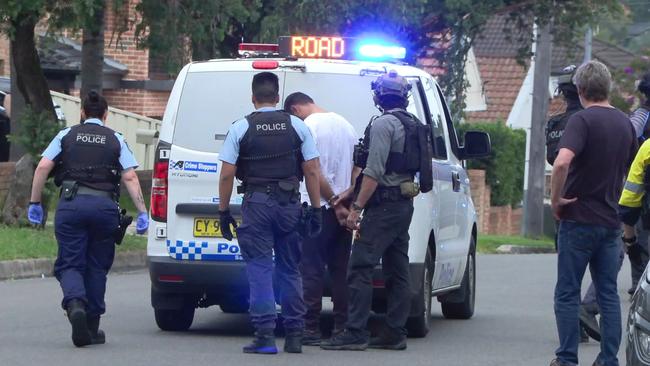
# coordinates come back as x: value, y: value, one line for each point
x: 42, y: 267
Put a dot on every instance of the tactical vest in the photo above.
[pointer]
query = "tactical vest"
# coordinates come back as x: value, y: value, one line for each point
x: 90, y: 155
x: 416, y: 155
x: 555, y: 129
x: 270, y: 149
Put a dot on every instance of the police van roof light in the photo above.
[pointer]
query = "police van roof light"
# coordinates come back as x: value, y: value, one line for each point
x: 382, y: 51
x: 265, y: 65
x: 258, y: 49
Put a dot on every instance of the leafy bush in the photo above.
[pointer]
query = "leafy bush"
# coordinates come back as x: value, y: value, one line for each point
x: 504, y: 168
x: 37, y: 130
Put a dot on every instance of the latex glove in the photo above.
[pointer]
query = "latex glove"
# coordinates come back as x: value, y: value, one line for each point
x: 142, y: 223
x: 314, y: 222
x: 35, y: 213
x: 225, y: 220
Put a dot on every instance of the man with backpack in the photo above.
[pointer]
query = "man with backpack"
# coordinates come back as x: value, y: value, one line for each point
x: 395, y: 147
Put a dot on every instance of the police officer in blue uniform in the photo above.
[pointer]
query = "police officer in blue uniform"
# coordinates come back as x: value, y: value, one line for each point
x: 269, y: 151
x: 89, y: 160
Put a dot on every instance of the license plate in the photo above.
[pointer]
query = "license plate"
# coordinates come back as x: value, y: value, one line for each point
x: 207, y: 227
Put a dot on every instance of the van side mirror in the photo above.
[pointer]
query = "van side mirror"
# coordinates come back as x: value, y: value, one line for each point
x: 476, y: 145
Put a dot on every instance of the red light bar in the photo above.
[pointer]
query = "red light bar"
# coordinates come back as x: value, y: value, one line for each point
x: 171, y: 278
x: 265, y: 65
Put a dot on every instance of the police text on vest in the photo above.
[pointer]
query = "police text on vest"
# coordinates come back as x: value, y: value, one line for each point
x: 89, y: 138
x: 281, y: 126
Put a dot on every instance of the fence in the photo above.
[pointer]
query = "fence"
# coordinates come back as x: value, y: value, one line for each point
x: 124, y: 122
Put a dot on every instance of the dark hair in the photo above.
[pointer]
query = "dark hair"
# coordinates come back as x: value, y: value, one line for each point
x: 296, y: 98
x: 569, y: 91
x: 391, y: 101
x: 266, y: 87
x: 644, y: 85
x: 94, y: 105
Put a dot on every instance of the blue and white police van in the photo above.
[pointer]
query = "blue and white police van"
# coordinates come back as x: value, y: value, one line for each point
x: 191, y: 266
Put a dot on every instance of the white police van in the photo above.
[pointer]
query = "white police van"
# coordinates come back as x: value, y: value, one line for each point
x: 190, y: 264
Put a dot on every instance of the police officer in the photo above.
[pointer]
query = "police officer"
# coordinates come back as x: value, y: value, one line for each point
x: 270, y: 151
x: 88, y: 160
x: 556, y: 124
x: 383, y: 232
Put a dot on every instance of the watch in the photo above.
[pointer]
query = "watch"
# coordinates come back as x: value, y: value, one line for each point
x: 356, y: 207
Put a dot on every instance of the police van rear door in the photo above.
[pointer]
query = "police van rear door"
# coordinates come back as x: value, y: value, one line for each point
x: 210, y: 102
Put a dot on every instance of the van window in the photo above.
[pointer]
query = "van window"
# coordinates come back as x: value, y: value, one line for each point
x: 209, y: 104
x: 437, y: 121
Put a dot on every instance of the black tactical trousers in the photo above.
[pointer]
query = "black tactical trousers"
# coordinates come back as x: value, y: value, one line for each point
x: 383, y: 235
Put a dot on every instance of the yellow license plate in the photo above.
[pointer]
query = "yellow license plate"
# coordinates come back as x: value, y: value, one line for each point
x: 207, y: 227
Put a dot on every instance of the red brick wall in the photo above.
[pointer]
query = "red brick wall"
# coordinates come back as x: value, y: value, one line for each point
x: 147, y: 103
x: 494, y: 220
x: 126, y: 51
x: 7, y: 171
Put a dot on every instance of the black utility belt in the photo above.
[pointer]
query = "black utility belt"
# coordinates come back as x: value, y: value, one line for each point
x: 387, y: 194
x: 283, y: 191
x: 70, y: 189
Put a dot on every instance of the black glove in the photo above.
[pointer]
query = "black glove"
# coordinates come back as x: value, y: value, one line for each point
x: 225, y: 220
x: 314, y: 223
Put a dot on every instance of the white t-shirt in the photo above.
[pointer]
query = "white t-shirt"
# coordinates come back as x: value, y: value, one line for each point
x: 335, y: 139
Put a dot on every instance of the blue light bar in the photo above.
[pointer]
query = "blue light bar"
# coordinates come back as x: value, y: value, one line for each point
x: 382, y: 51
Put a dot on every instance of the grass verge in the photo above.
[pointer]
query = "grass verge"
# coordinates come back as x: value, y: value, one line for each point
x: 25, y: 243
x: 490, y: 243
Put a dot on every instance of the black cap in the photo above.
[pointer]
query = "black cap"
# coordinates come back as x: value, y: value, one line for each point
x: 644, y: 84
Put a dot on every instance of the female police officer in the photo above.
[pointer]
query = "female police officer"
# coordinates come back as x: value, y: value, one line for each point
x: 88, y: 160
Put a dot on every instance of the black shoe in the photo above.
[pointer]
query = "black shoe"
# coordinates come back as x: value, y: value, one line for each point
x: 557, y: 362
x: 389, y: 339
x: 589, y: 323
x: 311, y: 338
x: 76, y: 310
x: 264, y: 343
x: 584, y: 337
x: 347, y: 341
x: 97, y: 335
x: 293, y: 341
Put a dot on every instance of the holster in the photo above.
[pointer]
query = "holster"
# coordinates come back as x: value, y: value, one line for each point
x: 284, y: 192
x: 69, y: 189
x: 124, y: 222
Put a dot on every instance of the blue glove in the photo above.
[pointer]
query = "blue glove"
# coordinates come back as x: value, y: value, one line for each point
x: 142, y: 223
x: 35, y: 213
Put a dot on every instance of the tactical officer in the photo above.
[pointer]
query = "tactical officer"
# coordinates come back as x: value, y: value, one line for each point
x: 556, y: 124
x: 383, y: 232
x: 88, y: 160
x: 270, y: 151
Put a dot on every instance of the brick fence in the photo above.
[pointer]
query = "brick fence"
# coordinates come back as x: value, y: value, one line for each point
x: 496, y: 220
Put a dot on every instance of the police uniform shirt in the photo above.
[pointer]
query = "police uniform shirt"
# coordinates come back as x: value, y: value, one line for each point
x: 127, y: 160
x: 230, y: 150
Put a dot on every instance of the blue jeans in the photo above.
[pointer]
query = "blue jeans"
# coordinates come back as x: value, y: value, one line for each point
x: 578, y: 246
x: 270, y: 228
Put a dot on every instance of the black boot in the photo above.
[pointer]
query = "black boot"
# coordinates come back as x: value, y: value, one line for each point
x: 293, y: 341
x: 389, y: 339
x: 264, y: 343
x: 97, y: 335
x: 76, y: 310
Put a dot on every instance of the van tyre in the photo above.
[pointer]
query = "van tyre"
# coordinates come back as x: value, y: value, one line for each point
x: 175, y: 320
x: 234, y: 306
x: 418, y: 326
x: 459, y: 304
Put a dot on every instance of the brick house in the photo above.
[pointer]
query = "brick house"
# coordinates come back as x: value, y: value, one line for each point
x: 133, y: 80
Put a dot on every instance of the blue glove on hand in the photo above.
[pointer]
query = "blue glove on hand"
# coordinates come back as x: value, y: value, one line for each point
x: 142, y: 223
x: 35, y: 213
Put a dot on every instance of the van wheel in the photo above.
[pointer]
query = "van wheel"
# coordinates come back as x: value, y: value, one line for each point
x: 175, y: 320
x: 459, y: 304
x: 418, y: 326
x: 234, y: 306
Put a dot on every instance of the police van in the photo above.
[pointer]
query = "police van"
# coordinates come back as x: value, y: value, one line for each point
x: 191, y: 266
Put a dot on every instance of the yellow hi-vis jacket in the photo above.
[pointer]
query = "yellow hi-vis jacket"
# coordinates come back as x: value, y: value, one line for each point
x: 634, y: 190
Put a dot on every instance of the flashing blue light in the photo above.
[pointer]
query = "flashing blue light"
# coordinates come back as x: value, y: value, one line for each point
x: 382, y: 51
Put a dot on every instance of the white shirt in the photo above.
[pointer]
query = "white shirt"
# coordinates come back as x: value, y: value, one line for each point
x: 335, y: 139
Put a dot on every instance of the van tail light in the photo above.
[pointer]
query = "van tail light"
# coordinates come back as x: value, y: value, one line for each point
x: 159, y: 183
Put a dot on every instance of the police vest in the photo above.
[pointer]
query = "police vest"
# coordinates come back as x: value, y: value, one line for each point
x: 270, y: 149
x: 90, y: 155
x: 555, y: 129
x: 415, y: 156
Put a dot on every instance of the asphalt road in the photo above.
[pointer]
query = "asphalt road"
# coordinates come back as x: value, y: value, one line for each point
x: 513, y: 325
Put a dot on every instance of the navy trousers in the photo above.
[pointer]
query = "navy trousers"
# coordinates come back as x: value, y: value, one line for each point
x: 269, y: 228
x: 85, y: 228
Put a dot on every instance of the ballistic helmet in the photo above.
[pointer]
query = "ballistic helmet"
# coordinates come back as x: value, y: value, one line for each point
x: 391, y: 84
x: 565, y: 84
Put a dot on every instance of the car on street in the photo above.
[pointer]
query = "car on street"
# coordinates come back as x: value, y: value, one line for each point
x: 192, y: 266
x: 638, y: 324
